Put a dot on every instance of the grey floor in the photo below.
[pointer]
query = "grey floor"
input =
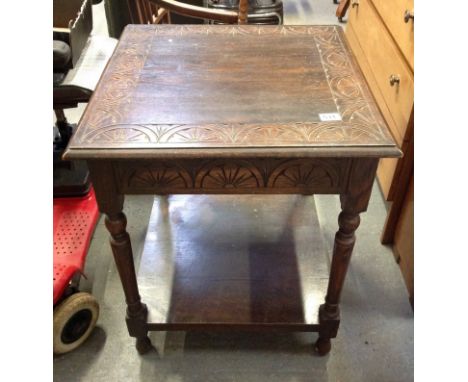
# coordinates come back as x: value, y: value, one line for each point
x: 374, y: 343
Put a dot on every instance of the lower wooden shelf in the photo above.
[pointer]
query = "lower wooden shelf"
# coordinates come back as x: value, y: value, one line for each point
x: 233, y: 262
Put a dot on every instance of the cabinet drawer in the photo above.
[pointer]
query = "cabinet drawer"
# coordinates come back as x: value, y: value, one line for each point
x: 384, y: 59
x: 372, y: 82
x: 393, y: 15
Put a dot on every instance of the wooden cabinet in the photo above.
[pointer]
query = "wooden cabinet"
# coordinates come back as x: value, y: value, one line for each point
x: 393, y: 13
x: 403, y: 239
x: 380, y: 33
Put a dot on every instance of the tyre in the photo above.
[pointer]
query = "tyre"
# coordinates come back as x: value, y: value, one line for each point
x: 74, y: 320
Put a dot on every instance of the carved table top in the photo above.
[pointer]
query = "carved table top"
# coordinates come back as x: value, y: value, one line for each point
x: 215, y: 90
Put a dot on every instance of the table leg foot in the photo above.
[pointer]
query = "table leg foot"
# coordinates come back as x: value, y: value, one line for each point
x: 143, y: 345
x: 323, y: 346
x: 137, y: 327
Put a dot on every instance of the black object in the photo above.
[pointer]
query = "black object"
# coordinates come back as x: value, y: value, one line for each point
x: 62, y: 56
x: 70, y: 178
x: 76, y: 326
x: 117, y: 16
x: 260, y: 11
x: 180, y: 19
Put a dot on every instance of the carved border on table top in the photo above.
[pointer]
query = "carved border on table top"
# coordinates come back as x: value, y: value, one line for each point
x: 233, y: 175
x: 360, y: 120
x: 111, y: 97
x: 226, y: 135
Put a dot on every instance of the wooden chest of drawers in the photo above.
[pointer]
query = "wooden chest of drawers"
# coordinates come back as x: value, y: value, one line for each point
x: 380, y: 33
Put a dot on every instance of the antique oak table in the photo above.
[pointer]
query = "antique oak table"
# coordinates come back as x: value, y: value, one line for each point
x: 232, y: 110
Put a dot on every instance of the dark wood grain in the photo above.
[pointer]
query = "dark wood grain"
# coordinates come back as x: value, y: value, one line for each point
x: 227, y: 176
x: 342, y: 8
x: 233, y: 110
x: 397, y: 216
x: 353, y: 202
x: 236, y: 87
x: 400, y: 184
x: 111, y: 204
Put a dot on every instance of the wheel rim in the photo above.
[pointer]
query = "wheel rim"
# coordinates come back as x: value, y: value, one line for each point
x: 76, y: 326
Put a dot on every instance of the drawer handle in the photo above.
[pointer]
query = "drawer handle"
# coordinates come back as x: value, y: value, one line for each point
x: 354, y: 3
x: 409, y: 15
x: 394, y: 79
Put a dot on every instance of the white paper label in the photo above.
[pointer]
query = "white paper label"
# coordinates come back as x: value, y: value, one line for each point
x: 330, y: 117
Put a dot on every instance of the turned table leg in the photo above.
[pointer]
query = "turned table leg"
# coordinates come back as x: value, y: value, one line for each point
x: 111, y: 204
x: 353, y: 203
x: 329, y: 313
x: 137, y: 312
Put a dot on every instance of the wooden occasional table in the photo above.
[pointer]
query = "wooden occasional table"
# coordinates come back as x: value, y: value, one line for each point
x: 232, y: 110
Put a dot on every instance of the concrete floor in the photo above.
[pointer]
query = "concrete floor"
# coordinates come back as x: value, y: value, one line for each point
x: 374, y: 343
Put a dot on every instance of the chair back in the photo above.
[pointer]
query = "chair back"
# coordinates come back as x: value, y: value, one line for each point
x: 159, y: 11
x: 146, y: 12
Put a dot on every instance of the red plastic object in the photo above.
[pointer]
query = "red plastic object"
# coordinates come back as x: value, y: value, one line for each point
x: 74, y: 222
